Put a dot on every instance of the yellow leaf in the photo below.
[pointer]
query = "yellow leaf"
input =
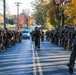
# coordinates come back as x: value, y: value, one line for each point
x: 74, y: 1
x: 74, y: 21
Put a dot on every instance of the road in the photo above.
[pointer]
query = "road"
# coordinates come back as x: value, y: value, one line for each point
x: 23, y: 59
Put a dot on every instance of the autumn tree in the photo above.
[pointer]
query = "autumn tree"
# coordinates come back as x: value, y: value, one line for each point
x: 52, y: 14
x: 1, y: 19
x: 40, y: 13
x: 70, y: 12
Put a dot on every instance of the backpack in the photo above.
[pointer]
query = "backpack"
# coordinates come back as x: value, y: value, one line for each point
x: 37, y: 33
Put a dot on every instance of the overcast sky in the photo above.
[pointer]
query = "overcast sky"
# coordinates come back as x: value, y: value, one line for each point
x: 25, y: 4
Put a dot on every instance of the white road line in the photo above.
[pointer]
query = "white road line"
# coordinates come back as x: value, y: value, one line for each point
x: 39, y: 65
x: 55, y: 59
x: 15, y: 59
x: 54, y: 56
x: 34, y: 65
x: 12, y: 54
x: 14, y: 73
x: 52, y: 48
x: 13, y: 62
x: 16, y: 66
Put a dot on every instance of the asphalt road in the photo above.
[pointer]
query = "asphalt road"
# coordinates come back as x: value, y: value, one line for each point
x: 23, y: 59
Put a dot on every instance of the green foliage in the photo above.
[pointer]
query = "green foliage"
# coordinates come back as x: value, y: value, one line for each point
x: 10, y: 21
x: 53, y: 21
x: 42, y: 27
x: 40, y: 15
x: 52, y: 14
x: 70, y: 11
x: 48, y: 26
x: 45, y: 13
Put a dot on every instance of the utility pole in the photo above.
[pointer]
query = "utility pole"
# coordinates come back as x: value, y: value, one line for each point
x: 4, y: 6
x: 18, y: 4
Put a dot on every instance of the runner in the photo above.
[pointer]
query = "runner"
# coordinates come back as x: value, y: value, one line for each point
x: 37, y: 38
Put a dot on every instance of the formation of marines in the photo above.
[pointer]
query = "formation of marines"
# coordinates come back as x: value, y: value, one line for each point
x: 9, y: 38
x: 65, y: 37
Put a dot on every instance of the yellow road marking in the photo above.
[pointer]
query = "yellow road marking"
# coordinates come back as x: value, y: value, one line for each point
x: 34, y: 70
x: 38, y: 62
x: 39, y: 65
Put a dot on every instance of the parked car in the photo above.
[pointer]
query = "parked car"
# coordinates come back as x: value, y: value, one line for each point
x: 25, y: 34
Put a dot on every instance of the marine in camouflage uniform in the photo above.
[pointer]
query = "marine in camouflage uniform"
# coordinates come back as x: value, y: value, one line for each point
x: 37, y: 37
x: 47, y: 35
x: 73, y: 55
x: 42, y: 35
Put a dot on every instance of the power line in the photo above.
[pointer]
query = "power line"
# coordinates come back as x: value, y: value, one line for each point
x: 4, y: 6
x: 1, y: 4
x: 8, y: 9
x: 1, y: 0
x: 4, y: 11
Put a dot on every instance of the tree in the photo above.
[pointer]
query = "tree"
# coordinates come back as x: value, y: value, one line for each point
x: 48, y: 26
x: 70, y: 12
x: 11, y: 21
x: 52, y: 14
x: 1, y: 19
x: 45, y: 13
x: 40, y: 14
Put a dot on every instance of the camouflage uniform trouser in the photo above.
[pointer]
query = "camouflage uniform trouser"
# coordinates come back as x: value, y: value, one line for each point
x: 37, y: 42
x: 72, y: 57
